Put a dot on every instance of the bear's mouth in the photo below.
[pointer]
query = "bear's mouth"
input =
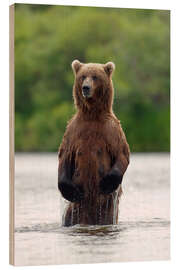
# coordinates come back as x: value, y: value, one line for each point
x: 86, y: 96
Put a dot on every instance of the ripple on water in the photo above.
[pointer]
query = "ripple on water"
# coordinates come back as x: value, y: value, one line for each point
x: 93, y: 229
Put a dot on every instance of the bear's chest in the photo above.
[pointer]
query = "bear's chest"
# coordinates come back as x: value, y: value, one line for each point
x: 92, y: 156
x: 91, y: 140
x: 92, y: 137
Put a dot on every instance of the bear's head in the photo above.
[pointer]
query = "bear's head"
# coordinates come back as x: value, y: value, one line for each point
x: 93, y: 85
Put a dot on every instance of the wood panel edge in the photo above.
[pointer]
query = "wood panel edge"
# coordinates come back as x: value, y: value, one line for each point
x: 11, y: 134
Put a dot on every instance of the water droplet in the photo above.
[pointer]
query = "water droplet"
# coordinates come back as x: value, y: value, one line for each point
x: 78, y: 214
x: 100, y: 210
x: 114, y: 197
x: 72, y: 214
x: 106, y: 212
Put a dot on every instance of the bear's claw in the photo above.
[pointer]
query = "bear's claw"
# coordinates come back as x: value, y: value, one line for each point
x: 110, y: 182
x: 70, y: 191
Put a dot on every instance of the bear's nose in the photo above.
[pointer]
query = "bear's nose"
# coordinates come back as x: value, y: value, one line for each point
x: 86, y: 90
x: 86, y: 87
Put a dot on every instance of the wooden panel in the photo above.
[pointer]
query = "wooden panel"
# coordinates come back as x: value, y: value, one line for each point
x: 11, y: 136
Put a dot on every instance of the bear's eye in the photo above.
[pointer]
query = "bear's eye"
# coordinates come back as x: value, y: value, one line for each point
x: 83, y: 77
x: 94, y: 78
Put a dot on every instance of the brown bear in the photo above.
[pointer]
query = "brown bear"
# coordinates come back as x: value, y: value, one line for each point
x: 94, y: 153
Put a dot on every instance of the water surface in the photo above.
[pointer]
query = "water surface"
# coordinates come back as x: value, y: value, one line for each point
x: 142, y: 232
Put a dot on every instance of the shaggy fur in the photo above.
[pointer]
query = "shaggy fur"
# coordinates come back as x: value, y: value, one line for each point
x: 94, y: 153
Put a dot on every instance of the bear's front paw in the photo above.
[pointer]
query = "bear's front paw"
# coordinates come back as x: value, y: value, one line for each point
x: 70, y: 191
x: 110, y: 182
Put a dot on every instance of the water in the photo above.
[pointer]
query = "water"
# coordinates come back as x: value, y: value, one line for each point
x: 142, y: 232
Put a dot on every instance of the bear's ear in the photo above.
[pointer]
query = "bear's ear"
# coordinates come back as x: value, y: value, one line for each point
x: 109, y: 67
x: 76, y: 66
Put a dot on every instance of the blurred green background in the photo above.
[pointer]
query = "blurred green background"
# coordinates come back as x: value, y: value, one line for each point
x: 48, y: 38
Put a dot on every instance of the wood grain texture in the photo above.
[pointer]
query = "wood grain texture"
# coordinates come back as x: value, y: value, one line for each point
x: 11, y: 136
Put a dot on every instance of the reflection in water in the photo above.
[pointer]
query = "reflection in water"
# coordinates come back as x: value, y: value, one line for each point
x: 142, y: 232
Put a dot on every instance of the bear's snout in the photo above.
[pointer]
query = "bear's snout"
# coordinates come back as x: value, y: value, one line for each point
x: 86, y: 90
x: 87, y: 87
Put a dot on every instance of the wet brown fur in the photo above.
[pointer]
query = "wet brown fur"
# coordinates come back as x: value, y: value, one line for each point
x: 96, y: 143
